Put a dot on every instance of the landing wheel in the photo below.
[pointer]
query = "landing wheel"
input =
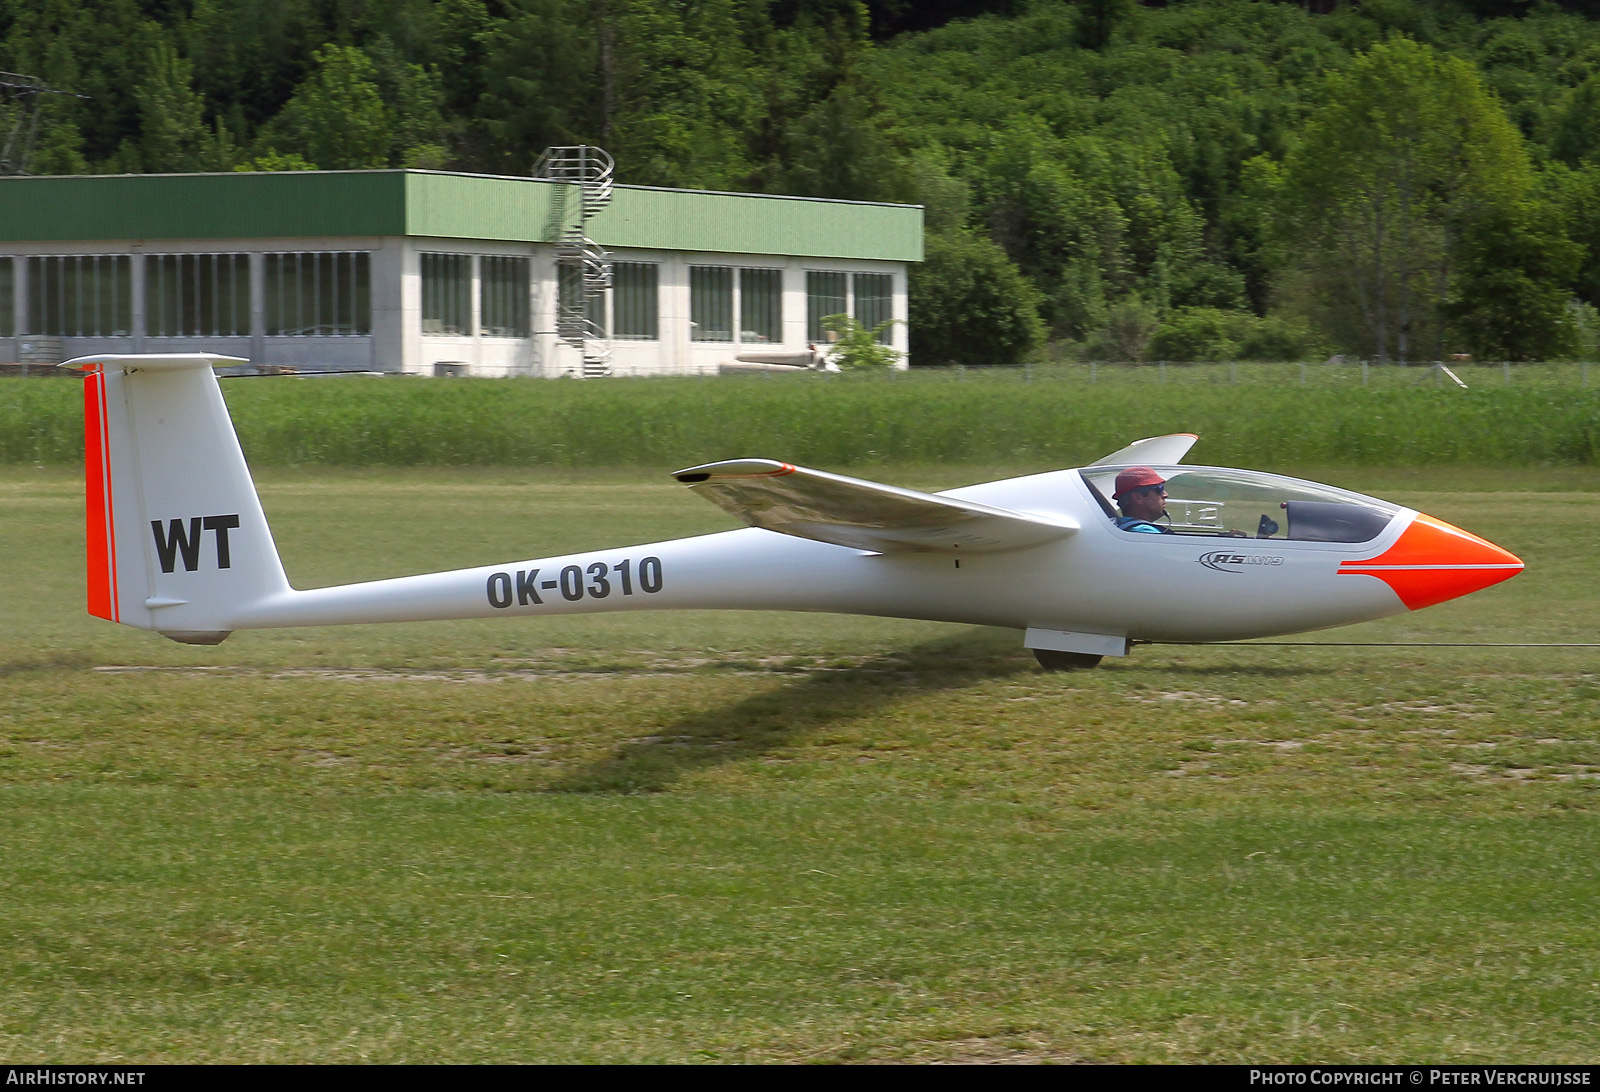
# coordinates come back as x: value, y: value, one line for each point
x: 1052, y: 660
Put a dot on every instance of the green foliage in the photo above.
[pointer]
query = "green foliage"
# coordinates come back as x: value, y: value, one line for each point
x: 274, y: 160
x: 857, y: 348
x: 337, y: 117
x: 171, y: 122
x: 972, y: 307
x: 1407, y: 155
x: 920, y: 416
x: 1513, y: 305
x: 1130, y: 324
x: 1131, y: 161
x: 1198, y: 333
x: 1097, y: 21
x: 1205, y: 333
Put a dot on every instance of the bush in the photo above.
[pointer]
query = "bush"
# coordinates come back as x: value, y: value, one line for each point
x: 858, y: 348
x: 970, y: 305
x: 1196, y: 333
x: 1206, y: 333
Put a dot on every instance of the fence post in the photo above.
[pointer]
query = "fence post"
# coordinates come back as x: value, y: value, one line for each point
x: 1505, y: 366
x: 1302, y: 373
x: 1583, y: 370
x: 1363, y: 371
x: 1162, y: 364
x: 1091, y: 371
x: 1233, y: 372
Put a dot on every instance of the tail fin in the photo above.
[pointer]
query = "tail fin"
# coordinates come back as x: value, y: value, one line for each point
x: 177, y: 541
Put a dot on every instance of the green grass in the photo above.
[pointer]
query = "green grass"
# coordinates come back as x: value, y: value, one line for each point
x: 731, y: 837
x: 1057, y: 417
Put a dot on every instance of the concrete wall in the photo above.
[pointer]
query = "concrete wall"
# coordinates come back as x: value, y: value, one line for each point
x: 396, y: 342
x: 310, y: 351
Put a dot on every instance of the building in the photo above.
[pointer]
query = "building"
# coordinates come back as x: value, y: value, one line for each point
x: 433, y: 273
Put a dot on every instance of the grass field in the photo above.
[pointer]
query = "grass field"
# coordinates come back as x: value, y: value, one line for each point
x: 726, y: 837
x: 1045, y: 418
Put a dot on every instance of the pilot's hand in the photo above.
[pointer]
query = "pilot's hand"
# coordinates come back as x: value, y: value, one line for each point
x: 1233, y: 534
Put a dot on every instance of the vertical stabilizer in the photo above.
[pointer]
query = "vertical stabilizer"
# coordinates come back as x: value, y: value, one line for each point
x: 177, y: 541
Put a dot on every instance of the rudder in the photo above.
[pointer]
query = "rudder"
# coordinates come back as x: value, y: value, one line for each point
x: 176, y: 538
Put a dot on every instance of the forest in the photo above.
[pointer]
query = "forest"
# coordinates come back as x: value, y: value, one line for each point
x: 1396, y: 180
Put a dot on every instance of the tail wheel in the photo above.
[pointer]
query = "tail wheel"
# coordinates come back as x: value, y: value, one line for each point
x: 1052, y: 660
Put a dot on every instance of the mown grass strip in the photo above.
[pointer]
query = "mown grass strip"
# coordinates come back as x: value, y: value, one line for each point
x: 851, y: 421
x: 706, y: 836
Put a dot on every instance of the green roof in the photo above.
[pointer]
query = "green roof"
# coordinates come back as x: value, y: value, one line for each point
x: 78, y: 208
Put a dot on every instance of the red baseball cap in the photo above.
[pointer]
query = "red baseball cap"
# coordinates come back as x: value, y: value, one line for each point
x: 1136, y: 477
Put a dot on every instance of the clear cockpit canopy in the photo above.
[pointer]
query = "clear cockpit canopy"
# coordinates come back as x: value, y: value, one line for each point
x: 1211, y: 500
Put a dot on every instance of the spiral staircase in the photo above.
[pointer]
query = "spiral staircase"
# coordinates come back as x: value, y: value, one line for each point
x: 582, y: 265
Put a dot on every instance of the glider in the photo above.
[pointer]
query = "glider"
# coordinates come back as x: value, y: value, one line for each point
x: 178, y: 544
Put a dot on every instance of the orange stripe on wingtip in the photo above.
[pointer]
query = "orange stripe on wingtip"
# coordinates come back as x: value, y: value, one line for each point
x: 100, y: 552
x: 1433, y: 561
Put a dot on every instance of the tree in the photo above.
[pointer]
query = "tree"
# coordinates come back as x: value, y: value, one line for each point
x: 538, y: 82
x: 1406, y: 153
x: 970, y: 306
x: 1097, y: 21
x: 172, y: 128
x: 1515, y: 264
x: 337, y: 118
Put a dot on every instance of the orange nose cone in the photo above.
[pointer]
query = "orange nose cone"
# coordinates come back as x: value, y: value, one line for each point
x: 1433, y: 561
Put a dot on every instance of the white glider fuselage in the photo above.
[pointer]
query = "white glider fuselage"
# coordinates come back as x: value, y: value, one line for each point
x: 178, y: 544
x: 1101, y: 581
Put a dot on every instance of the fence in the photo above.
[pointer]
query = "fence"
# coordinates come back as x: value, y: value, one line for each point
x: 1576, y: 375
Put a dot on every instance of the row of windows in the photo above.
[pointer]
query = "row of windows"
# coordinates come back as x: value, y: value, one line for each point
x: 717, y: 291
x: 191, y: 295
x: 319, y: 293
x: 330, y: 293
x: 447, y: 295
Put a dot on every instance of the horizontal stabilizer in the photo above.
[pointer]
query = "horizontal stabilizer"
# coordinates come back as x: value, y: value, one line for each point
x: 863, y: 515
x: 1153, y: 450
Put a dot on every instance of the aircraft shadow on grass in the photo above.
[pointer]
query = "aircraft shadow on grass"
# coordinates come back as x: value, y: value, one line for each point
x: 774, y: 719
x: 821, y: 698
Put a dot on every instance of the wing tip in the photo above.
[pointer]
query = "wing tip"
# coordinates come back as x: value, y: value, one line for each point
x: 733, y: 468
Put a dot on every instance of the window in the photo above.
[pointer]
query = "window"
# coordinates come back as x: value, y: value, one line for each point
x: 81, y: 295
x: 710, y: 303
x: 633, y: 301
x: 323, y: 293
x: 825, y: 295
x: 874, y: 294
x: 504, y: 302
x: 197, y: 295
x: 1250, y: 505
x: 8, y: 296
x: 760, y: 305
x: 446, y: 293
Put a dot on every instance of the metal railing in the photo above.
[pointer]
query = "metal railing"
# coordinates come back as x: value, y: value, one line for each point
x: 592, y: 170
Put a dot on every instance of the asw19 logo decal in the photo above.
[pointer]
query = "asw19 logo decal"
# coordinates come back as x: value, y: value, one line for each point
x: 1226, y: 561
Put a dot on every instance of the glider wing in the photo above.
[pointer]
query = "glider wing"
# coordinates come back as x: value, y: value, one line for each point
x: 863, y: 515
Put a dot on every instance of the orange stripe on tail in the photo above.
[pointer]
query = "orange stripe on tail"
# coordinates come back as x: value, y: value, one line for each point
x: 99, y: 533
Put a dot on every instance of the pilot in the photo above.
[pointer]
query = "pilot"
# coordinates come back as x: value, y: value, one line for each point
x: 1142, y: 495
